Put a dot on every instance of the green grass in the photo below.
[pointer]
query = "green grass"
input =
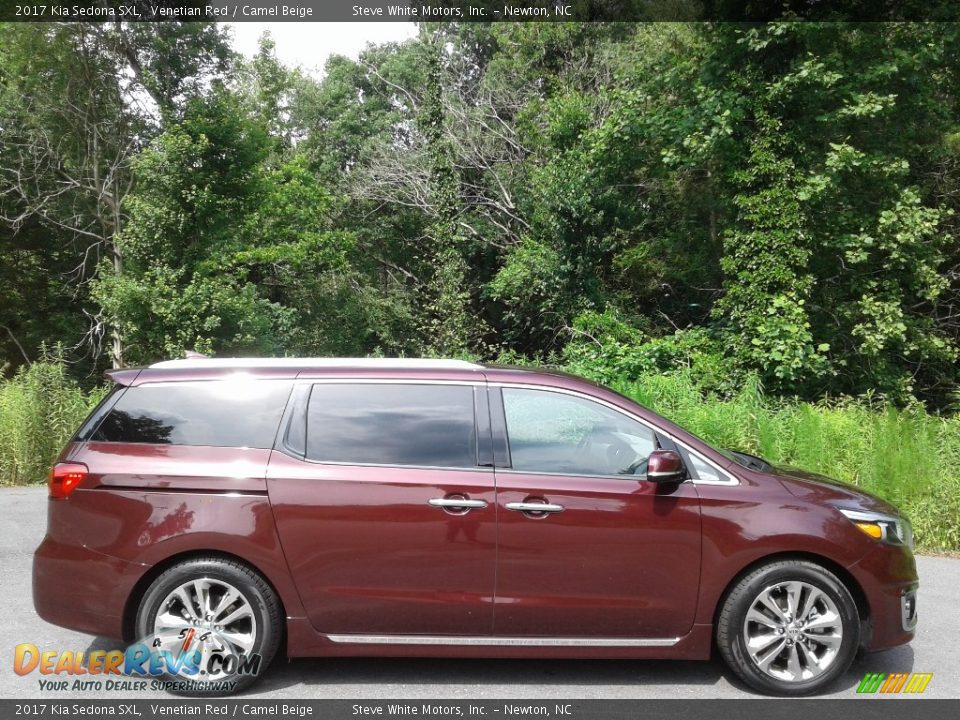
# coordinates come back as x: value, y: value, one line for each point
x: 909, y: 457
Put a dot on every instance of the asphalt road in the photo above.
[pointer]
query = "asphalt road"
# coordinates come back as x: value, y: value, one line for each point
x: 936, y: 649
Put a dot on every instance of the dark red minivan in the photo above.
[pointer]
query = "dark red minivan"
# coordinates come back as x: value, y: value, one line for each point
x: 225, y: 509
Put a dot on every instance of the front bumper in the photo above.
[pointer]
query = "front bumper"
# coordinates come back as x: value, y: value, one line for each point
x: 82, y: 589
x: 888, y: 576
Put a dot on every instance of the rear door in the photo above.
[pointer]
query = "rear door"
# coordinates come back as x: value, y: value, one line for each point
x: 588, y: 547
x: 384, y: 499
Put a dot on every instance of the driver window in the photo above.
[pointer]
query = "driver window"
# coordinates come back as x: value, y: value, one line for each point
x: 555, y: 433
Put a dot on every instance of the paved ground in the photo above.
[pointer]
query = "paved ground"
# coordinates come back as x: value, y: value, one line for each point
x: 23, y: 522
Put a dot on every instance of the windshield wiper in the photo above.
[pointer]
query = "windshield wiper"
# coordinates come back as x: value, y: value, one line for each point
x: 751, y: 462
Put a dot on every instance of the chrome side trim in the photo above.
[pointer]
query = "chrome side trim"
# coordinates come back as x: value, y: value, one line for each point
x: 501, y: 641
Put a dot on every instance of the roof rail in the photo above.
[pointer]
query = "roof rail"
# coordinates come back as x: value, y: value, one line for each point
x: 404, y: 363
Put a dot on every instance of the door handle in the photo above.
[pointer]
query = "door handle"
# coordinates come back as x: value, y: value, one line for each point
x: 457, y: 503
x: 534, y: 507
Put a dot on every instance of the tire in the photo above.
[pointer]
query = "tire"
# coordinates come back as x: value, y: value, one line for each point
x: 772, y: 652
x: 228, y: 591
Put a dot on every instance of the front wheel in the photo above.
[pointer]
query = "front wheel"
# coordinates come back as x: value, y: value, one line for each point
x: 789, y: 628
x: 214, y: 624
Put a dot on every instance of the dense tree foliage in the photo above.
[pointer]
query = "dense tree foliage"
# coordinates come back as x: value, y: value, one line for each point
x: 775, y: 199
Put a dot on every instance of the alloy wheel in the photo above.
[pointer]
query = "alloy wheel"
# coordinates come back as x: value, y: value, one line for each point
x: 793, y: 631
x: 220, y: 617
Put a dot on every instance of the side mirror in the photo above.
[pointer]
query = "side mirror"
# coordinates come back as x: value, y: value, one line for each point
x: 665, y: 466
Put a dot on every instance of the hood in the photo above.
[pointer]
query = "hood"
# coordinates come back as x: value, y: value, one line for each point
x: 824, y: 490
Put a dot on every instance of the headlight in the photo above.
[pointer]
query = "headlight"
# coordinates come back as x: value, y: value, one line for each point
x: 890, y: 529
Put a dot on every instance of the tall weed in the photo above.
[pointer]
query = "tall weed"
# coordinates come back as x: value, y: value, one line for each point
x: 40, y: 408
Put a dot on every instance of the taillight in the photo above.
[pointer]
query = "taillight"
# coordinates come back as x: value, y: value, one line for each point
x: 64, y: 478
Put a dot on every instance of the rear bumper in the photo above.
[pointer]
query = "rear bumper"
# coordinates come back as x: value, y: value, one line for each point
x: 81, y: 589
x: 888, y: 576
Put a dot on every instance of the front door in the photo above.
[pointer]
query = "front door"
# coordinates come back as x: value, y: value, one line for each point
x: 385, y: 514
x: 587, y: 547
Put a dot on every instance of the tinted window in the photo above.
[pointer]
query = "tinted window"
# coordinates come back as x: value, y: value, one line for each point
x: 221, y: 413
x: 563, y: 434
x: 95, y: 417
x: 424, y: 425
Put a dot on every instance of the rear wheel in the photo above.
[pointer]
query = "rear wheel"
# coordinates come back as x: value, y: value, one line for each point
x: 216, y: 623
x: 789, y: 628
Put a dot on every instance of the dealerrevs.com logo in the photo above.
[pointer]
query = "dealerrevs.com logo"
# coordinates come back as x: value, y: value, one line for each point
x: 893, y: 683
x: 189, y: 660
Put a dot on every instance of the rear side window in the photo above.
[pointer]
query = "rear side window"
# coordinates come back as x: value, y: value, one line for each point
x: 374, y: 424
x: 99, y: 412
x: 218, y: 413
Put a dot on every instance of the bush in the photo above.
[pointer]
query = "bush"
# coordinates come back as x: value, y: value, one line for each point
x: 606, y: 348
x: 40, y: 408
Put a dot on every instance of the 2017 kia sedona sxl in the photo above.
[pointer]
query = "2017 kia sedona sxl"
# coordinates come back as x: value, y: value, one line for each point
x: 214, y: 508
